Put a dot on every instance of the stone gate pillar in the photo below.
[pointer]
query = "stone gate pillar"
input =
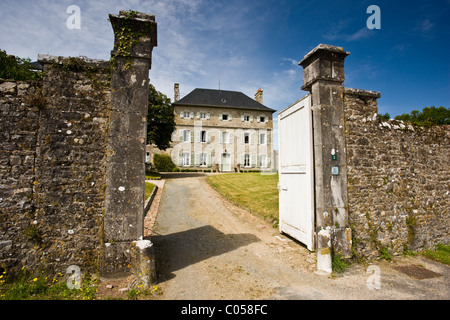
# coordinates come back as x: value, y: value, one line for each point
x: 323, y: 76
x: 135, y: 37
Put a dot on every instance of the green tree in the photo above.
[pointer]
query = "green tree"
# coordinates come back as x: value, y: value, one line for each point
x: 15, y: 68
x: 161, y: 119
x: 427, y: 117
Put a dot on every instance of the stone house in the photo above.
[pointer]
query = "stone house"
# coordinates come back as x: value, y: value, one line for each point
x: 221, y: 130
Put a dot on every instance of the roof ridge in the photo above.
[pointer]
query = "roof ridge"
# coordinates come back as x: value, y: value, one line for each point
x: 213, y: 98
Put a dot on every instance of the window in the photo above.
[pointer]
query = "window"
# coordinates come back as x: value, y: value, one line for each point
x: 186, y: 135
x: 246, y: 160
x: 202, y: 136
x: 262, y: 138
x: 225, y: 137
x: 186, y: 115
x: 246, y: 138
x: 263, y: 161
x: 186, y: 159
x: 202, y: 115
x: 202, y: 159
x: 262, y: 119
x: 224, y: 117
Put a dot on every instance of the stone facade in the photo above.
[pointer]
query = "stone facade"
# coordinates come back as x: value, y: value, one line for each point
x: 398, y: 180
x: 205, y: 133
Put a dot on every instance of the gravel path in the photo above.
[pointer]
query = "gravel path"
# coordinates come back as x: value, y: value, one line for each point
x: 207, y: 248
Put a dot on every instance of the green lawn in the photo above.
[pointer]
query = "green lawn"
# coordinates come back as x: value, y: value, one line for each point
x: 255, y: 192
x: 152, y: 175
x: 441, y: 254
x: 148, y: 189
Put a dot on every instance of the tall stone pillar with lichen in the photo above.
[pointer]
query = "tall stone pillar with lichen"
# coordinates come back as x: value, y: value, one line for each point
x: 135, y: 36
x: 323, y: 76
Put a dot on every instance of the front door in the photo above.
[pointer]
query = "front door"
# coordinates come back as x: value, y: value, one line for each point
x: 296, y: 178
x: 225, y: 164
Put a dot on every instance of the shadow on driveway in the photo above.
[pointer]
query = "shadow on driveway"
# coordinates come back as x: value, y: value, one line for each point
x: 178, y: 250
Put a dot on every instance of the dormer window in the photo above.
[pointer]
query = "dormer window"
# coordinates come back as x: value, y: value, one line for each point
x: 224, y: 117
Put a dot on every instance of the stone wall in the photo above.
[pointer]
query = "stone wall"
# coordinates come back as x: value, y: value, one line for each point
x: 72, y: 155
x: 398, y: 180
x: 53, y: 140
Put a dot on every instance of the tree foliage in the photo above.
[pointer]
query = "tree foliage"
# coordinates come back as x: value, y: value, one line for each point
x: 161, y: 119
x: 14, y: 68
x: 429, y: 116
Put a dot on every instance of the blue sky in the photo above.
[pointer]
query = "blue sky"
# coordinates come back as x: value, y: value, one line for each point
x: 257, y: 44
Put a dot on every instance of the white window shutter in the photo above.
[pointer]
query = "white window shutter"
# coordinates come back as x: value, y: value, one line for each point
x: 192, y: 135
x: 198, y: 115
x: 198, y: 136
x: 197, y: 159
x: 220, y: 137
x: 208, y: 136
x: 229, y: 117
x: 208, y: 116
x: 192, y: 159
x: 220, y: 117
x: 266, y: 119
x: 251, y: 118
x: 180, y: 159
x: 182, y: 114
x: 258, y: 119
x: 181, y: 135
x: 268, y: 162
x: 208, y: 160
x: 230, y: 137
x: 243, y: 137
x: 242, y: 117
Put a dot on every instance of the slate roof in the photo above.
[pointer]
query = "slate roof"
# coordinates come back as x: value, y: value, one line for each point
x: 222, y: 99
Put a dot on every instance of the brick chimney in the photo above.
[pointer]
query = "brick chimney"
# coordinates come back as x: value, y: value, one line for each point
x: 259, y: 96
x: 176, y: 89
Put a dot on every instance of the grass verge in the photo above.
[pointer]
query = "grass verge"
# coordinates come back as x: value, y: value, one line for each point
x: 255, y: 192
x: 148, y: 189
x: 441, y: 254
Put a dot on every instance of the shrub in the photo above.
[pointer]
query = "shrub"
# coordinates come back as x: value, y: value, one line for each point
x: 163, y: 163
x: 176, y: 169
x: 429, y: 116
x: 15, y: 68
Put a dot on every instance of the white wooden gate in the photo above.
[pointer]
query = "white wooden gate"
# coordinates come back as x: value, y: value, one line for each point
x: 296, y: 177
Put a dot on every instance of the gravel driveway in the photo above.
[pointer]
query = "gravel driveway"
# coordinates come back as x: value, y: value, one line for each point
x: 207, y: 248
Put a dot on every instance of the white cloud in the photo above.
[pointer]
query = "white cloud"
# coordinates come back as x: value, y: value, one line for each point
x: 197, y: 39
x: 338, y: 34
